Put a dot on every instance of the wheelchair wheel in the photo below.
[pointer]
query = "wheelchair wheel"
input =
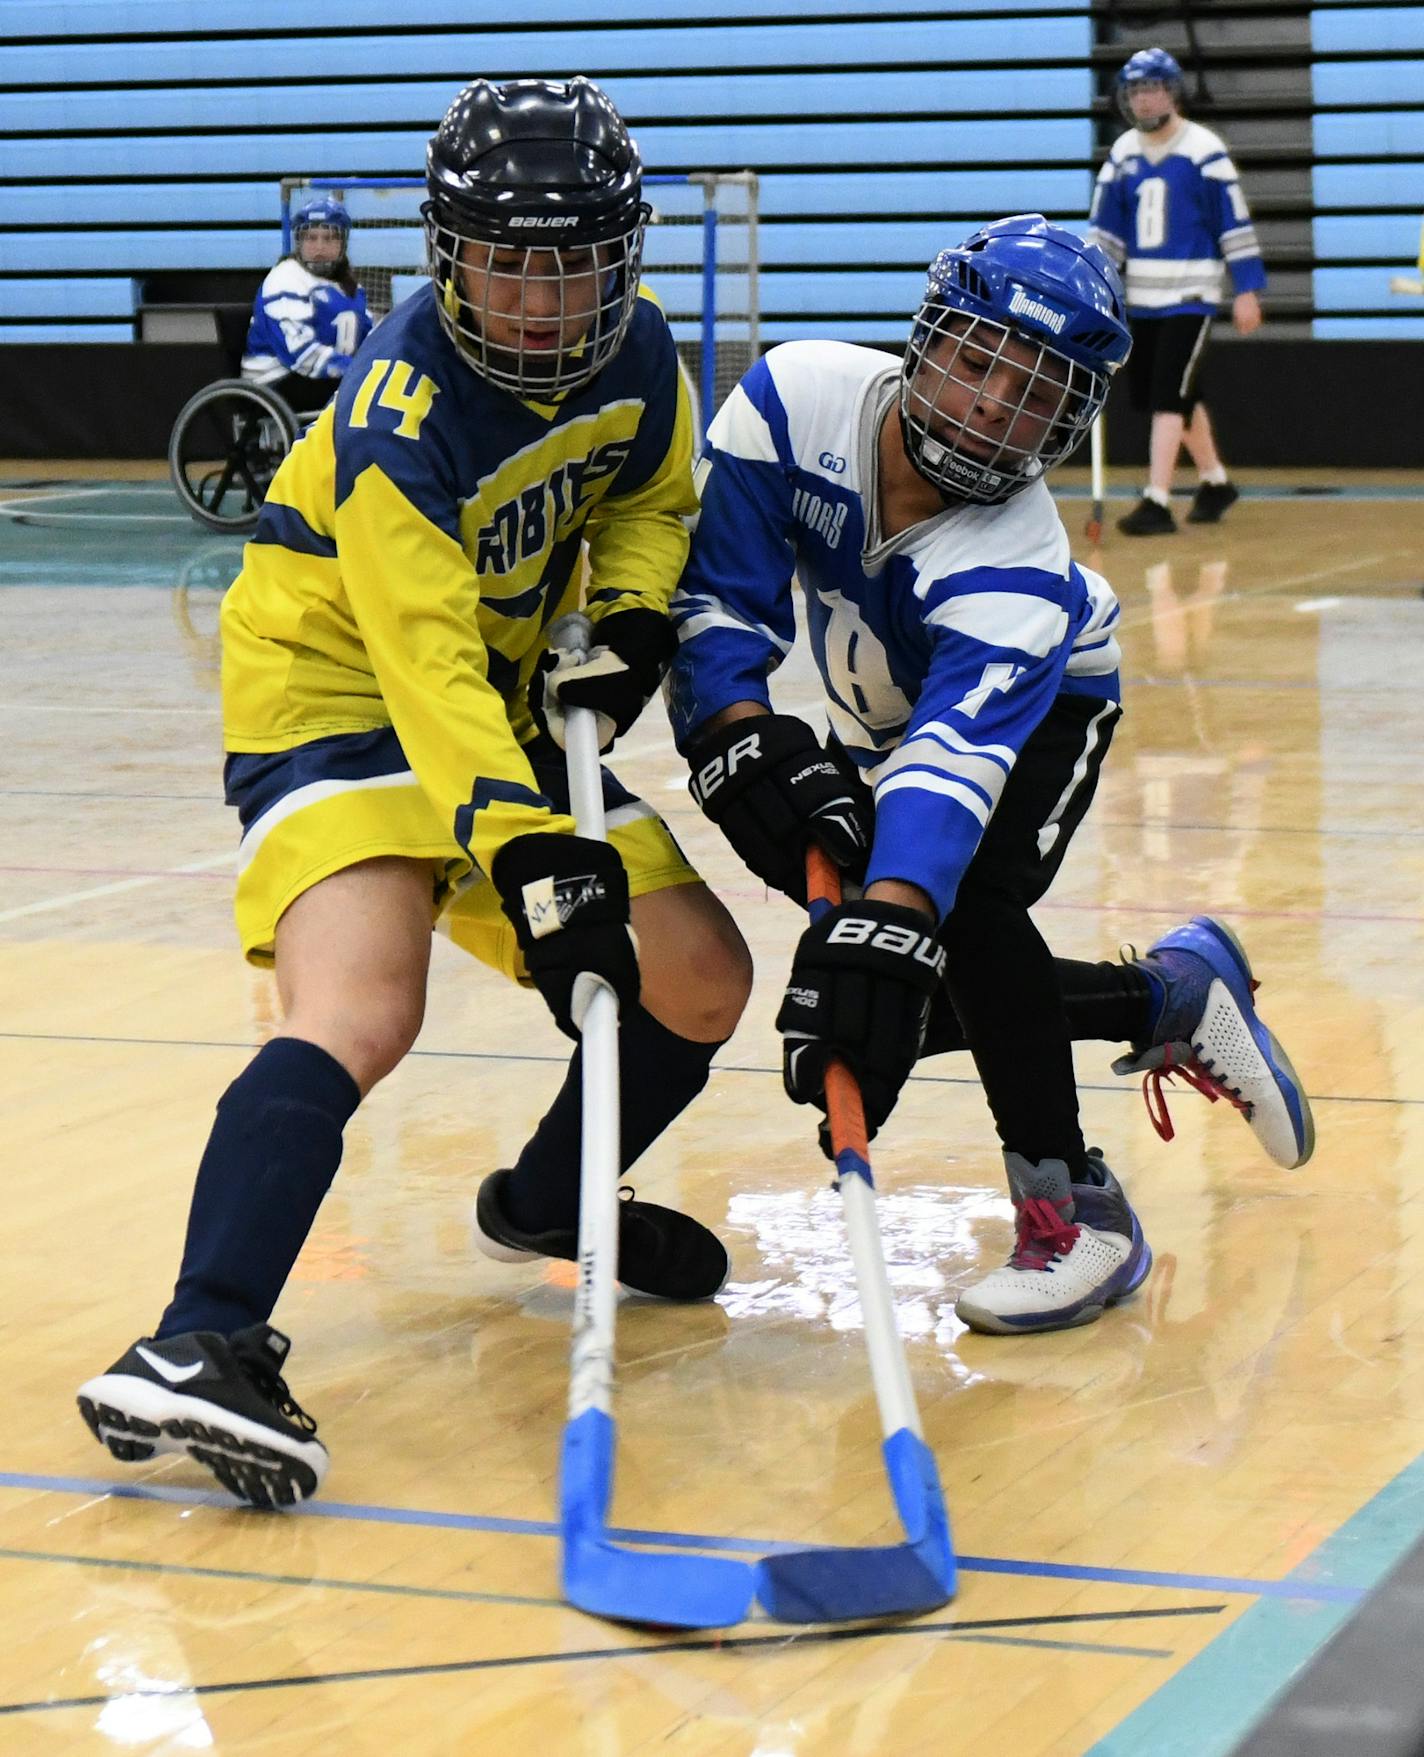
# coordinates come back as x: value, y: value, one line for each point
x: 224, y: 451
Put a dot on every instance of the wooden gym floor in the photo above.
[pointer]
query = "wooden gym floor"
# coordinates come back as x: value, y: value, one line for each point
x: 1160, y: 1516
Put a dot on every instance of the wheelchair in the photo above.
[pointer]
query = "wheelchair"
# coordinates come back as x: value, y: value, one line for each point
x: 230, y: 437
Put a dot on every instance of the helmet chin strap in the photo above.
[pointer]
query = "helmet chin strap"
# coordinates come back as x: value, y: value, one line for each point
x: 326, y: 271
x: 1152, y: 126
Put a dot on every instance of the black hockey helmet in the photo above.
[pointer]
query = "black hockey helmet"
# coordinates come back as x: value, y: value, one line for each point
x: 535, y: 165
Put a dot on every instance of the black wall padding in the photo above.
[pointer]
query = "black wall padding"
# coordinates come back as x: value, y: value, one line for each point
x: 119, y: 400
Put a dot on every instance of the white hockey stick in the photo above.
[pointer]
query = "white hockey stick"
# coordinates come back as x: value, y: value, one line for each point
x: 904, y: 1579
x: 1097, y: 449
x: 680, y: 1591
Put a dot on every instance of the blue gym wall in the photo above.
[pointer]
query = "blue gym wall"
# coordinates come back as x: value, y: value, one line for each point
x: 143, y: 138
x: 150, y: 134
x: 1368, y: 175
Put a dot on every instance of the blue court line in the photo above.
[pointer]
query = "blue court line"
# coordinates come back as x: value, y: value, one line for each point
x: 1294, y: 1587
x: 1204, y: 1709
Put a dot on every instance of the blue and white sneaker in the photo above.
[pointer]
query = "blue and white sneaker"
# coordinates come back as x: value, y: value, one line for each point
x: 1078, y: 1248
x: 1206, y: 1029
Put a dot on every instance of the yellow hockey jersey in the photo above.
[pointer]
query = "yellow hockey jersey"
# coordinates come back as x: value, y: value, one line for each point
x: 418, y: 541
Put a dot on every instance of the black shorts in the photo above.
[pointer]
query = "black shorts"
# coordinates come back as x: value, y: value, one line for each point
x: 1164, y: 367
x: 1045, y: 798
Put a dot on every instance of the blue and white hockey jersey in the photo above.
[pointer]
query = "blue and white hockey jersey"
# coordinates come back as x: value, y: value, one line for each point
x: 1175, y: 216
x: 940, y: 649
x: 303, y: 324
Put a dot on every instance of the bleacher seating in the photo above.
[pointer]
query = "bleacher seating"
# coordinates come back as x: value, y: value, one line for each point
x: 146, y: 138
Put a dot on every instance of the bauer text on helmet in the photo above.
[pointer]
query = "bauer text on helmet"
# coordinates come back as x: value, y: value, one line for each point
x: 535, y: 224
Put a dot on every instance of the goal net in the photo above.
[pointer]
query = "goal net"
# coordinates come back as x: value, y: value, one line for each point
x: 700, y: 259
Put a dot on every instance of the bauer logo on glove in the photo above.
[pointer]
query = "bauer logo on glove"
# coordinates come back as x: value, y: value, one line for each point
x: 772, y: 789
x: 859, y: 930
x: 710, y: 776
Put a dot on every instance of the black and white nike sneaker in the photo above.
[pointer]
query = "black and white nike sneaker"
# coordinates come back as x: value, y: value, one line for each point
x: 221, y: 1400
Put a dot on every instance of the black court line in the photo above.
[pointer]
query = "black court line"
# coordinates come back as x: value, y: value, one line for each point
x: 241, y: 1574
x: 986, y: 1630
x: 1117, y: 1088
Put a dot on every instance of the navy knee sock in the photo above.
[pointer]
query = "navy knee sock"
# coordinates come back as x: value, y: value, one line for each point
x: 274, y: 1149
x: 660, y: 1074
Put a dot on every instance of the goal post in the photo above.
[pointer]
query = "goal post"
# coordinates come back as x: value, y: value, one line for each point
x: 699, y: 258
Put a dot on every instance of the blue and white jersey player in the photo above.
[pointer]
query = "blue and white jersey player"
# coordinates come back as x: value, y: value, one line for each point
x: 1169, y: 211
x: 970, y: 673
x: 310, y: 315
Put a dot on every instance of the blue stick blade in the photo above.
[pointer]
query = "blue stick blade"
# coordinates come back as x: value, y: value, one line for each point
x: 670, y: 1591
x: 841, y: 1585
x: 666, y: 1591
x: 897, y: 1580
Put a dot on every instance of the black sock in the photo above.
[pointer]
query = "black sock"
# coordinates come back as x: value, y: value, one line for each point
x: 660, y: 1074
x: 1004, y: 985
x: 1107, y: 1002
x: 274, y: 1149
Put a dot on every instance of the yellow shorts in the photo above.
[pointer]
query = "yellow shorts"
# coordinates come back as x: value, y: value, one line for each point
x: 323, y: 806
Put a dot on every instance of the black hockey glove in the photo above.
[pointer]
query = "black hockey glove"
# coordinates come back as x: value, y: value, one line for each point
x: 567, y: 898
x: 771, y: 789
x: 861, y: 984
x: 615, y: 679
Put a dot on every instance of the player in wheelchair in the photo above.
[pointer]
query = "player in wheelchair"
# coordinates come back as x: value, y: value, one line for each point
x: 308, y: 320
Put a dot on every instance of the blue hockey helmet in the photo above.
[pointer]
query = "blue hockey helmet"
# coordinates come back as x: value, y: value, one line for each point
x: 327, y: 211
x: 1009, y: 362
x: 1150, y: 67
x: 322, y: 210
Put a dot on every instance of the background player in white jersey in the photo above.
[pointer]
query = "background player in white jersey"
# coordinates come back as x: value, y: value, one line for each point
x: 310, y: 315
x: 971, y: 680
x: 1169, y: 209
x: 389, y: 699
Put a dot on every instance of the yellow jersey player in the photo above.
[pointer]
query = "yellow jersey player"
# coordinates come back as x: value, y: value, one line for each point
x: 392, y: 715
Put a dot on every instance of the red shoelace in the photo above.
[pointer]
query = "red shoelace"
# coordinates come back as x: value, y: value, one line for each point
x: 1199, y: 1076
x: 1041, y: 1234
